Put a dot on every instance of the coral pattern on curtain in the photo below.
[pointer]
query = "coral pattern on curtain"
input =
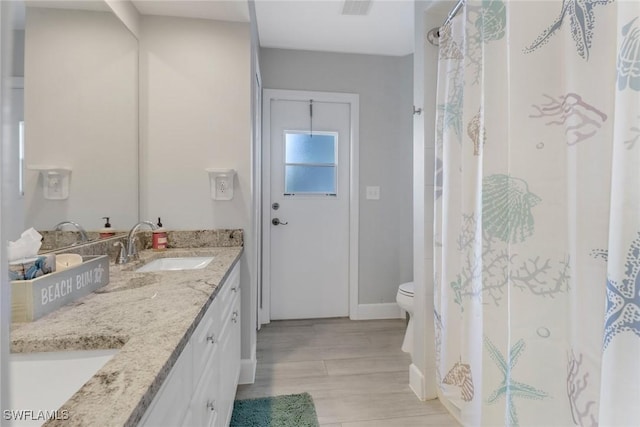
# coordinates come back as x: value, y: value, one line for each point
x: 537, y: 213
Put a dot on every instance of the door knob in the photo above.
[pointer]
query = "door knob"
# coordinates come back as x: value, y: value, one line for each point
x: 276, y: 221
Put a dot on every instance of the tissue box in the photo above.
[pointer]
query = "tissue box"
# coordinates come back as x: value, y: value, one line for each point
x: 32, y: 299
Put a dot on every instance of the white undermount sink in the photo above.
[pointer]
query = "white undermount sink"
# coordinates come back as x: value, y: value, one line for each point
x: 182, y: 263
x: 42, y: 382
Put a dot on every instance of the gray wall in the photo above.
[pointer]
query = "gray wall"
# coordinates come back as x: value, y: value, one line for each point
x: 385, y: 86
x: 17, y: 62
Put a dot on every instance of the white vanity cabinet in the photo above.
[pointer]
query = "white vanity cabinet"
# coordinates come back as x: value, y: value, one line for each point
x: 169, y: 407
x: 229, y: 360
x: 201, y: 387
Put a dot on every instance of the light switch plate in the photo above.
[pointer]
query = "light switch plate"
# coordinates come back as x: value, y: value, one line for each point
x: 373, y: 193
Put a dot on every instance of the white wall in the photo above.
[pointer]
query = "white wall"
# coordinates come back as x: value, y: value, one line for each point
x: 81, y: 111
x: 127, y: 13
x: 15, y: 215
x: 384, y: 84
x: 195, y: 113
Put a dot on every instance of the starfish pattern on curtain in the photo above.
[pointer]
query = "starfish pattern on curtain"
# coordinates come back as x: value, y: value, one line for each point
x: 508, y: 387
x: 582, y: 20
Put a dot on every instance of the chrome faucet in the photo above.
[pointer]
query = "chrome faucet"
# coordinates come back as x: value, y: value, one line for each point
x: 132, y: 252
x: 83, y: 234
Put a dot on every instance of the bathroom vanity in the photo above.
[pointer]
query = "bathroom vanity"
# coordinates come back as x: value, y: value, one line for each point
x: 200, y: 388
x: 178, y: 340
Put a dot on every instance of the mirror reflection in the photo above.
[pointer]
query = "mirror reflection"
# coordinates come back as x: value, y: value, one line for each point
x: 80, y: 121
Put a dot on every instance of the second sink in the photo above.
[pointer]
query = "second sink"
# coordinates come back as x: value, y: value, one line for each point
x: 183, y: 263
x: 42, y: 382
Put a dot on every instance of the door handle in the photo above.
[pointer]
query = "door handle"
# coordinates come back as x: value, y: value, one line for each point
x: 276, y: 221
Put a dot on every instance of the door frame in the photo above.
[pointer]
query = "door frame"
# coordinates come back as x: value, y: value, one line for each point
x: 353, y: 100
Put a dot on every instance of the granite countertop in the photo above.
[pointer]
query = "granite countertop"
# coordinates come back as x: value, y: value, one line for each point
x: 148, y: 316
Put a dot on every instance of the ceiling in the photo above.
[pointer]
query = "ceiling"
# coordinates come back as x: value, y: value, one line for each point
x: 387, y: 28
x: 221, y: 10
x: 319, y: 25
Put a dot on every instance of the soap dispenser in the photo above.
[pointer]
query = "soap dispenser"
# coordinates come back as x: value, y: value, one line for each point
x: 107, y: 231
x: 159, y: 242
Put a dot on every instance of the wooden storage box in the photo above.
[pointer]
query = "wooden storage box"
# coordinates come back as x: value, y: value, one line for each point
x: 32, y: 299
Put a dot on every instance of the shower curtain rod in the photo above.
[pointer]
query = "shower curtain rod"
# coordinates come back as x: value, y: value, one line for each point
x: 453, y: 12
x: 434, y: 34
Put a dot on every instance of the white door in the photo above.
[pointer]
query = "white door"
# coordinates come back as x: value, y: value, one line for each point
x: 309, y: 196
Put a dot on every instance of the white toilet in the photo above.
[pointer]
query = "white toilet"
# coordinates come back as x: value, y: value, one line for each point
x: 404, y: 298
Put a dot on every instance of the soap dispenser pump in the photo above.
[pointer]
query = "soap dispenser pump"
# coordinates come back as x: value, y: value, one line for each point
x: 107, y: 231
x: 159, y: 242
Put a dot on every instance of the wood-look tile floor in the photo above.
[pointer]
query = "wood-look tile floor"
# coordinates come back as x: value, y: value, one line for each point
x: 354, y: 370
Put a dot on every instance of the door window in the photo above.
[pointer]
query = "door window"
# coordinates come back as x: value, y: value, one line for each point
x: 310, y: 164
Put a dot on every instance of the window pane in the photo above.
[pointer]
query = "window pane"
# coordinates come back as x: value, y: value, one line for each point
x: 305, y: 148
x: 310, y: 179
x: 21, y: 157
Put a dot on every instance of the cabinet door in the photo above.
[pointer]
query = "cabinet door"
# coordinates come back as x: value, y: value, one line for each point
x: 206, y: 337
x: 169, y: 406
x: 204, y: 408
x: 234, y: 357
x: 228, y: 292
x: 230, y: 361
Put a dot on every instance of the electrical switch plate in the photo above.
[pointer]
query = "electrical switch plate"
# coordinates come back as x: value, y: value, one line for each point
x: 373, y: 193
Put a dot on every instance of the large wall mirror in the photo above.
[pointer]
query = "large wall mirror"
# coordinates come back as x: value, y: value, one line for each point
x: 80, y: 113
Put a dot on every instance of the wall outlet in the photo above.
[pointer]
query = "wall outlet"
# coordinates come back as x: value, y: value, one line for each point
x: 373, y: 193
x: 221, y: 181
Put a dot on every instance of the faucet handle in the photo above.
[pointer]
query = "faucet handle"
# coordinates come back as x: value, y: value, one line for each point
x: 122, y: 253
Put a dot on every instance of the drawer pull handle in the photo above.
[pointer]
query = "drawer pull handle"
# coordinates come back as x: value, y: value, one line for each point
x: 211, y: 406
x: 212, y: 339
x: 234, y: 318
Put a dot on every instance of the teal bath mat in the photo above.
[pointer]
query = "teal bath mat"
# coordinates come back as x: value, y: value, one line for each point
x: 294, y: 410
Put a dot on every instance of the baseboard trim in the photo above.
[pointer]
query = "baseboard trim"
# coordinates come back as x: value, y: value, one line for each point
x: 247, y: 371
x: 453, y: 409
x: 378, y: 311
x: 416, y: 382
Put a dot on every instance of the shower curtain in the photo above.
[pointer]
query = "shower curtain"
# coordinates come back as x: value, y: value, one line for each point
x: 537, y: 213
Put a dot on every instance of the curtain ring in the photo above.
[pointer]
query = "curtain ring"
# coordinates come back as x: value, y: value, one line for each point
x: 433, y: 36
